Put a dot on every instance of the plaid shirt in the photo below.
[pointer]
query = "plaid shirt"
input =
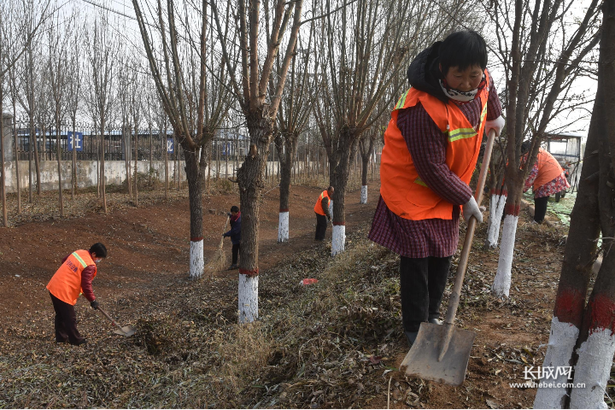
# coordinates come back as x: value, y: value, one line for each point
x: 427, y: 145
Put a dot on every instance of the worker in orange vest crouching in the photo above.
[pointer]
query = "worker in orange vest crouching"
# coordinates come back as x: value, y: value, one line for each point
x: 546, y: 178
x: 322, y: 213
x: 72, y: 279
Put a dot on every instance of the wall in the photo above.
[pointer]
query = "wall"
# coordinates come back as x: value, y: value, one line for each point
x: 115, y: 172
x: 87, y: 173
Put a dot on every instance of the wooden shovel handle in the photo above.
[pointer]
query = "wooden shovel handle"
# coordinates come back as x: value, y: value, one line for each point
x: 110, y: 318
x: 467, y: 243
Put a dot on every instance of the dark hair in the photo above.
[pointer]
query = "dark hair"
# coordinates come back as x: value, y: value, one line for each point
x: 463, y: 49
x: 234, y: 208
x: 525, y: 147
x: 99, y: 249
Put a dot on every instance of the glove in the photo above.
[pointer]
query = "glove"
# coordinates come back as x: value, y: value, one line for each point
x: 497, y: 125
x: 94, y: 304
x: 471, y: 209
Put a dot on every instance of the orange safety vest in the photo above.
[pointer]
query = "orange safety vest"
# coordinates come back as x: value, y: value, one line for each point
x: 400, y: 185
x: 318, y: 206
x: 65, y: 284
x: 548, y: 169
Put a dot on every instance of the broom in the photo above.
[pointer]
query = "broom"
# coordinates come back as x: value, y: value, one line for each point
x: 217, y: 261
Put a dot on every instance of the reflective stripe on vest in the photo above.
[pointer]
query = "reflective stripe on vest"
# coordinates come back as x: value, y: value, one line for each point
x: 401, y: 188
x: 66, y: 282
x: 318, y: 206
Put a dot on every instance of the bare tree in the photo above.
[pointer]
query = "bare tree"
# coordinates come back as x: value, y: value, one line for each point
x: 58, y: 69
x: 30, y: 83
x: 194, y: 108
x: 20, y: 22
x: 136, y: 107
x: 124, y: 92
x: 541, y: 64
x: 293, y: 116
x: 103, y: 48
x: 249, y: 80
x: 73, y: 92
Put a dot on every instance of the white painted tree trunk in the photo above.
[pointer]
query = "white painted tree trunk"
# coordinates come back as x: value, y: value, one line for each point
x: 197, y: 262
x: 283, y: 227
x: 248, y: 298
x: 338, y: 239
x: 364, y: 194
x: 559, y: 351
x: 593, y: 368
x: 496, y: 209
x: 331, y: 207
x: 501, y: 283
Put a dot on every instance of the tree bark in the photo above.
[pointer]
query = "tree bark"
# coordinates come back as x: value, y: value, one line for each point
x: 340, y: 161
x: 250, y: 178
x: 194, y: 177
x: 286, y: 146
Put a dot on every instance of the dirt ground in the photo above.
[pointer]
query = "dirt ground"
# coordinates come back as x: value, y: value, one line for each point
x: 149, y: 250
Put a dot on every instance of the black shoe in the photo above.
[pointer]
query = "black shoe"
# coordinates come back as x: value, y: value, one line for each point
x: 435, y: 321
x: 411, y: 336
x: 79, y: 343
x: 62, y: 341
x: 233, y: 266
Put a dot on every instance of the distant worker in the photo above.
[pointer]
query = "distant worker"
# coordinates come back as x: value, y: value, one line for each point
x: 73, y: 278
x: 323, y: 214
x: 546, y: 178
x: 235, y: 234
x: 431, y: 147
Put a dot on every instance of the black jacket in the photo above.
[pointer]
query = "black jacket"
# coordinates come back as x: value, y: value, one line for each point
x: 235, y: 232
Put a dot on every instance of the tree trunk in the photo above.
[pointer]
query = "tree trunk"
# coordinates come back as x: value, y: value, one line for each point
x: 496, y: 209
x: 340, y: 162
x: 501, y: 283
x: 195, y: 194
x: 74, y: 164
x: 151, y: 156
x: 366, y: 151
x: 127, y: 157
x: 17, y: 175
x: 165, y: 140
x: 583, y: 336
x: 136, y: 186
x: 59, y: 151
x: 30, y: 158
x: 286, y: 146
x: 5, y: 218
x: 37, y: 164
x: 250, y: 178
x: 103, y: 183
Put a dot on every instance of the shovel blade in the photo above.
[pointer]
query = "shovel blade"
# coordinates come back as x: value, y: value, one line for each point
x: 422, y: 359
x: 125, y: 331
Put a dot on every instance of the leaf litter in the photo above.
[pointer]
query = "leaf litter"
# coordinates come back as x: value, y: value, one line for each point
x: 334, y: 344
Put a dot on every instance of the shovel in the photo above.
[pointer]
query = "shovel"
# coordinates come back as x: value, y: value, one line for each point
x: 441, y: 352
x: 121, y: 330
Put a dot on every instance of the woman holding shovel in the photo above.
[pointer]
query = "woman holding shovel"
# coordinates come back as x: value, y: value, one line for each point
x: 235, y: 234
x: 431, y: 149
x: 73, y: 278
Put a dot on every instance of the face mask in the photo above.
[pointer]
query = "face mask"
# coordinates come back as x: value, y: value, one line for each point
x: 97, y: 260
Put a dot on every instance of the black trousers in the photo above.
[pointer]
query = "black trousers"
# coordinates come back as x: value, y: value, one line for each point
x: 236, y: 247
x: 65, y: 322
x: 540, y: 208
x: 321, y: 227
x: 422, y: 282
